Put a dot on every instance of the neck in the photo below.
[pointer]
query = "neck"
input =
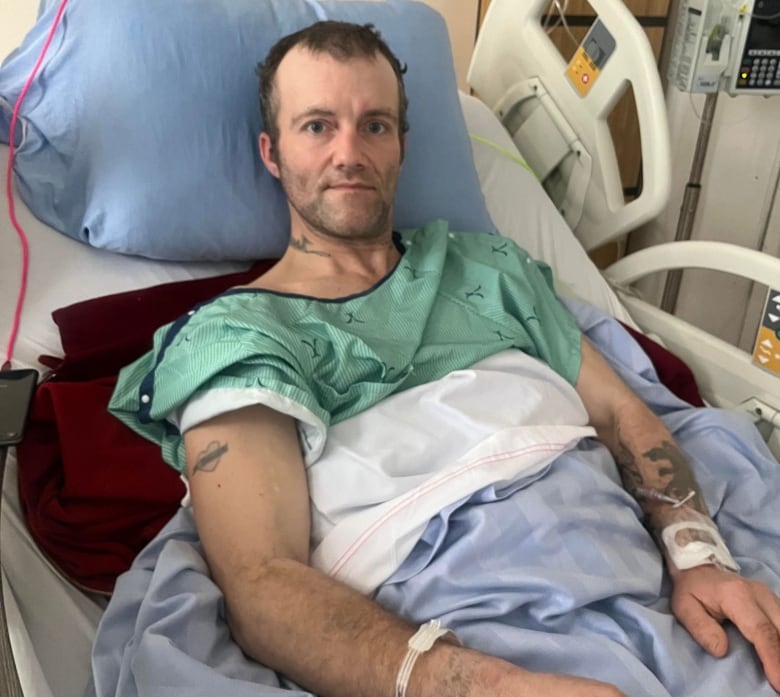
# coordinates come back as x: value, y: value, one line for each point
x: 312, y: 253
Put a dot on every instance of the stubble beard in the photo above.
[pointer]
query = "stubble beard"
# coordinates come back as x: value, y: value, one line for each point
x: 324, y: 217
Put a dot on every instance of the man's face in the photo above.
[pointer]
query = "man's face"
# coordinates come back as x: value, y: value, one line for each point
x: 338, y: 154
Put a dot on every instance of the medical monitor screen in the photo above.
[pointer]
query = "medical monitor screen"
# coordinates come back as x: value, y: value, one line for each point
x: 764, y: 33
x: 759, y: 68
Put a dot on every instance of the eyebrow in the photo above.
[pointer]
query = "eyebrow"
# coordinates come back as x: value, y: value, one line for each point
x: 329, y: 113
x: 309, y: 113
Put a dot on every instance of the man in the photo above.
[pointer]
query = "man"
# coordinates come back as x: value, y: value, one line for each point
x: 335, y: 112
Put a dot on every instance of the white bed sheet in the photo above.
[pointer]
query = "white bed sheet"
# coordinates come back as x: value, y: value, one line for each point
x: 51, y: 622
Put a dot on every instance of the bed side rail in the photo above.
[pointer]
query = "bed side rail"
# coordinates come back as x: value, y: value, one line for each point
x: 9, y: 677
x: 520, y: 74
x: 726, y: 375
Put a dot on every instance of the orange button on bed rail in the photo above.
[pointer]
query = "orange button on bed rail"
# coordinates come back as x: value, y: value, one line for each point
x: 766, y: 352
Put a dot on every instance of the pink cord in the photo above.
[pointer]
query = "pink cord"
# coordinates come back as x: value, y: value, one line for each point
x: 9, y: 192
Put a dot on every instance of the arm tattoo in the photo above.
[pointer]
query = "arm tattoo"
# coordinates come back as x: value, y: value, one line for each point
x: 302, y: 245
x: 629, y: 472
x: 659, y: 475
x: 670, y: 463
x: 208, y: 460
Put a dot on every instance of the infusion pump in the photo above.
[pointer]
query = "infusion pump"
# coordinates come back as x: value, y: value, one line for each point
x: 727, y: 45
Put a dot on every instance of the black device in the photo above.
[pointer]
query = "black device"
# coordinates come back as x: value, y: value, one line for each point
x: 17, y: 388
x: 759, y: 67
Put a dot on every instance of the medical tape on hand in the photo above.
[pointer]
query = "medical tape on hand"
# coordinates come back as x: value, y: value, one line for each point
x: 697, y: 552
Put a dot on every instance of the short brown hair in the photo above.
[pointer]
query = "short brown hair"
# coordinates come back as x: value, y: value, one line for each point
x: 340, y: 40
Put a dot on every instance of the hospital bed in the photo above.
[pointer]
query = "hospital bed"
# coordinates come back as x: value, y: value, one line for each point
x: 565, y: 137
x: 52, y: 622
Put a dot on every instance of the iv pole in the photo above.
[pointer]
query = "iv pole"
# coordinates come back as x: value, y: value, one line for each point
x: 690, y: 200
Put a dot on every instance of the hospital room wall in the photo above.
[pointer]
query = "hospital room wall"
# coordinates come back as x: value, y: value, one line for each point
x: 16, y: 17
x: 462, y: 17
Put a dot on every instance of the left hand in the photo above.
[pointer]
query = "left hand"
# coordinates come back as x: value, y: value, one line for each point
x: 705, y: 596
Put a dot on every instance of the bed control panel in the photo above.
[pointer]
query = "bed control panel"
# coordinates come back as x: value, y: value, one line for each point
x: 591, y: 57
x: 766, y: 352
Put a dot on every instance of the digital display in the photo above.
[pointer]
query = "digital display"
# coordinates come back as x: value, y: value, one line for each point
x: 764, y: 33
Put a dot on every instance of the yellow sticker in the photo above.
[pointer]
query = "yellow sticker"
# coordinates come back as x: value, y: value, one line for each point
x: 582, y: 71
x: 766, y: 352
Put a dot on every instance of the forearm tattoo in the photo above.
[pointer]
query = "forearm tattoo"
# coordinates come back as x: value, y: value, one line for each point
x: 659, y: 475
x: 629, y: 472
x: 208, y: 460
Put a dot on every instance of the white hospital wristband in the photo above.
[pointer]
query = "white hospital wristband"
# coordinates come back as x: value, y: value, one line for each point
x: 423, y: 640
x: 697, y: 552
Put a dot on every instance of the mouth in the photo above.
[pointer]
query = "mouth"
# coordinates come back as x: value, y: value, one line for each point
x: 350, y: 186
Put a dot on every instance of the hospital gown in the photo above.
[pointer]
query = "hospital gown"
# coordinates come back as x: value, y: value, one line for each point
x: 452, y: 300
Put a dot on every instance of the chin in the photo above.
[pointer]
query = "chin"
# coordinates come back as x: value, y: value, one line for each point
x: 366, y: 234
x: 369, y: 229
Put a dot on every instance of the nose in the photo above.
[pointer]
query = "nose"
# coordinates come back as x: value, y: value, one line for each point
x: 348, y: 149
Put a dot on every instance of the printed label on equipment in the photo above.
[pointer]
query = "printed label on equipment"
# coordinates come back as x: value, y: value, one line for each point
x: 767, y: 349
x: 591, y: 57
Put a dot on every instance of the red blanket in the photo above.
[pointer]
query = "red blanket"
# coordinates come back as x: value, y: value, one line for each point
x: 93, y: 492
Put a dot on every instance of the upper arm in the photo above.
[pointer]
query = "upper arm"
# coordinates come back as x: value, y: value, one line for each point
x: 249, y: 493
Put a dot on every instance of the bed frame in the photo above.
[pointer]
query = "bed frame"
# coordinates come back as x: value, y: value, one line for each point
x: 562, y: 132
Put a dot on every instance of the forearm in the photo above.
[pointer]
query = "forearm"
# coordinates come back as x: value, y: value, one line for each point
x: 329, y: 638
x: 337, y: 643
x: 656, y: 473
x: 652, y: 467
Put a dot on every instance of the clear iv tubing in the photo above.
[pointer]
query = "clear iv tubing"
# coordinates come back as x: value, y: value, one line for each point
x: 9, y: 192
x: 653, y: 495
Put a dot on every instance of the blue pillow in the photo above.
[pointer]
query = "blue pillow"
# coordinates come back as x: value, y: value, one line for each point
x: 140, y: 132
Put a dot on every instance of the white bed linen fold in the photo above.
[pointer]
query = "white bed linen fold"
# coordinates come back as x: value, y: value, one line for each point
x: 386, y: 472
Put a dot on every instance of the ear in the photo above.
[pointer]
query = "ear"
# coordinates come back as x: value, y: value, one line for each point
x: 403, y: 147
x: 267, y: 155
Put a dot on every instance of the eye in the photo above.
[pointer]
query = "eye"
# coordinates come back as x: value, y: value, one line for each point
x: 376, y: 128
x: 315, y: 127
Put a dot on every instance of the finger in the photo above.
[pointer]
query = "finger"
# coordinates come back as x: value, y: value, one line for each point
x: 769, y: 603
x: 753, y: 609
x: 705, y: 629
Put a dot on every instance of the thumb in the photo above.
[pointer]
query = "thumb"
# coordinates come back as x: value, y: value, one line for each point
x: 702, y: 626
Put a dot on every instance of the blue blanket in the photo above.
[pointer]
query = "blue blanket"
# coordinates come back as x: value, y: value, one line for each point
x: 556, y: 575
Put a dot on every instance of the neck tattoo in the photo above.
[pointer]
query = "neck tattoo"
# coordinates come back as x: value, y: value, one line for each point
x: 302, y: 245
